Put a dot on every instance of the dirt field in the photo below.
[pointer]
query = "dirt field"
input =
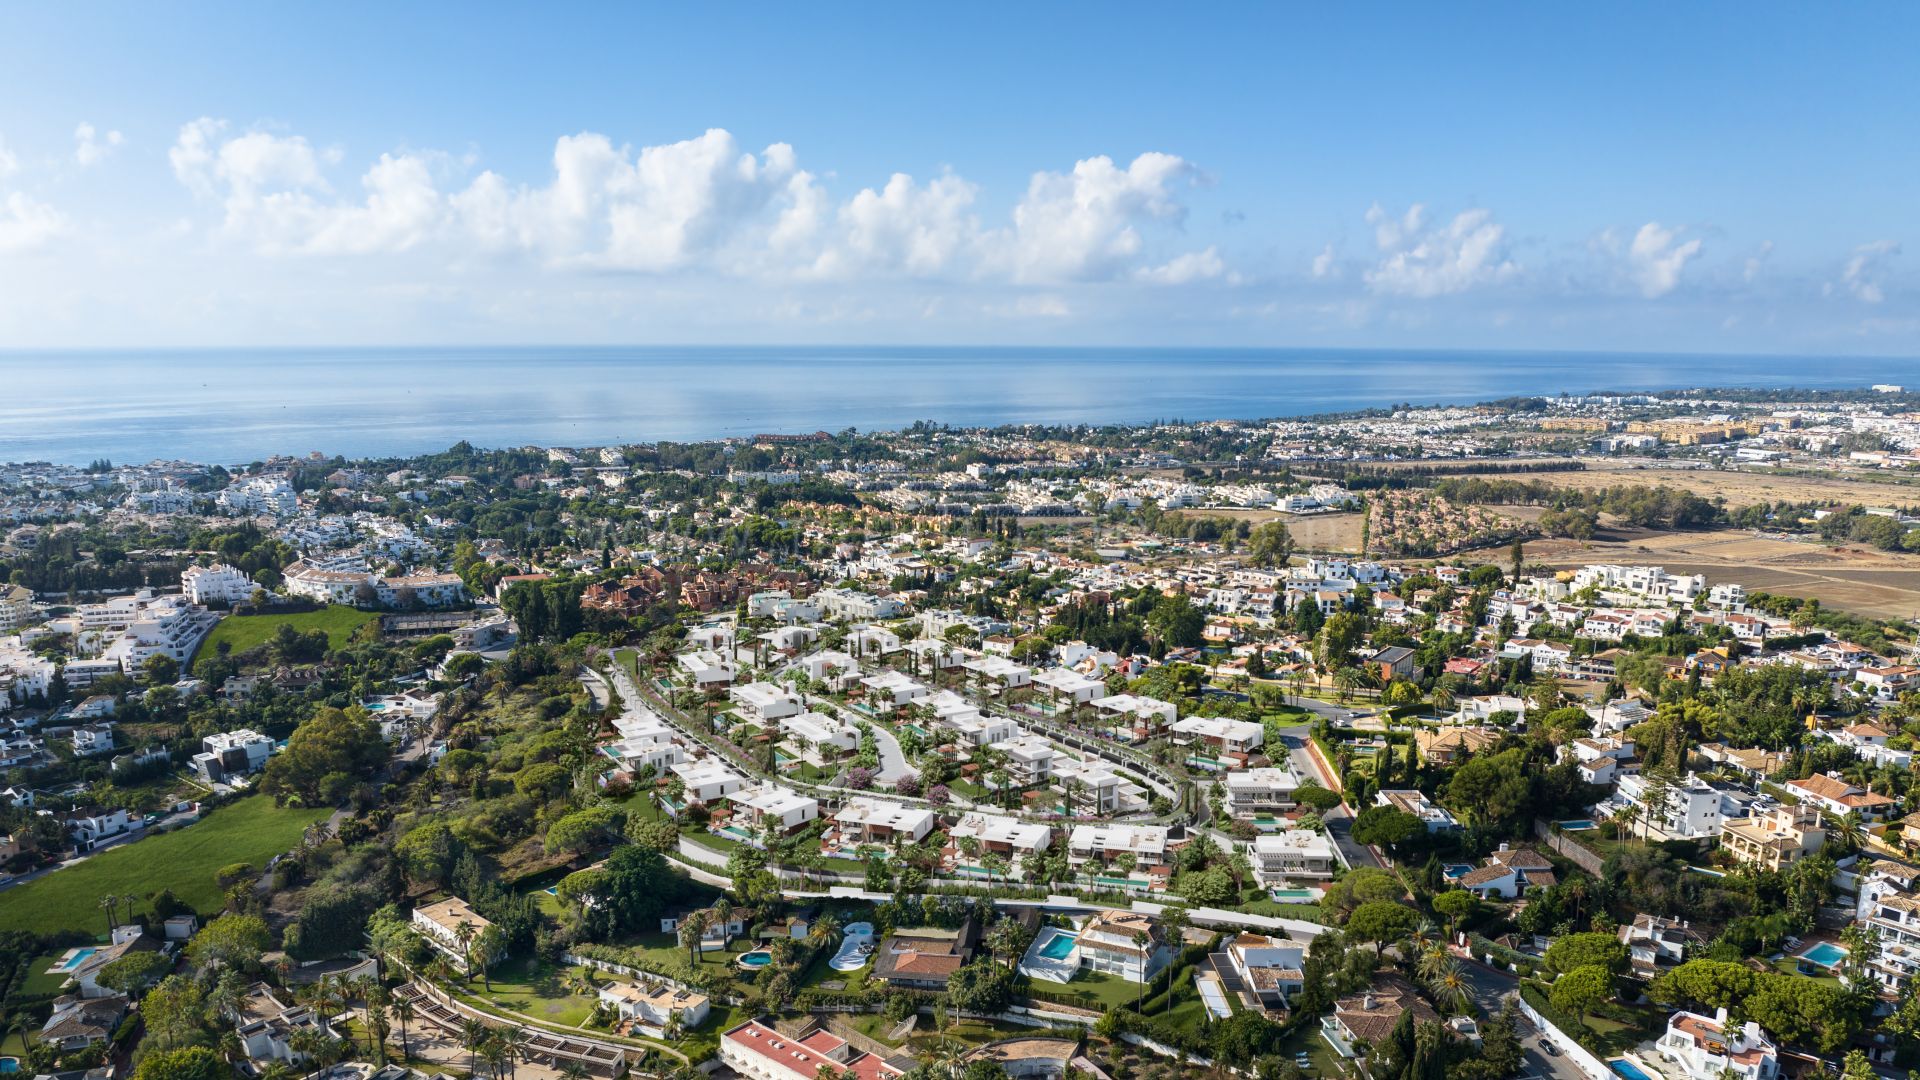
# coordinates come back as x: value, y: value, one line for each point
x: 1874, y: 583
x: 1742, y: 488
x: 1337, y: 533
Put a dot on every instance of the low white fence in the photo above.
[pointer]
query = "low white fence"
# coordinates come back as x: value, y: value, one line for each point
x: 1579, y: 1055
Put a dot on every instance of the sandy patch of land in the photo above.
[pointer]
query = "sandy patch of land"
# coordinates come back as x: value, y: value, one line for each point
x: 1741, y: 487
x: 1879, y: 584
x: 1338, y: 533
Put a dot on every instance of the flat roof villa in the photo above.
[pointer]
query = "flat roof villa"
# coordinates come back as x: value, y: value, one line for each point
x: 441, y: 923
x: 866, y: 820
x: 1107, y: 842
x: 1009, y: 838
x: 1416, y: 803
x: 1265, y: 791
x: 1292, y: 855
x: 656, y: 1005
x: 1707, y: 1048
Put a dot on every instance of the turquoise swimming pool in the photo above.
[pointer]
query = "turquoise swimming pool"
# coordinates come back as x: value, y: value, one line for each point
x: 1059, y: 947
x: 1580, y: 825
x: 1826, y: 954
x: 1623, y: 1067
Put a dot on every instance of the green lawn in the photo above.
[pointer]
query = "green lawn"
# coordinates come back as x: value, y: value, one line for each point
x: 251, y: 830
x: 244, y: 632
x: 541, y: 990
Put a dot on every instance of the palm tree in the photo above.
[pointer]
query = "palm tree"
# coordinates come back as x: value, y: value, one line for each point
x: 494, y: 1049
x: 378, y: 1028
x: 693, y: 929
x: 1848, y: 829
x: 1449, y: 987
x: 403, y: 1012
x: 228, y: 993
x: 1140, y: 940
x: 949, y: 1058
x: 473, y: 1035
x: 465, y: 932
x: 107, y: 904
x: 573, y: 1070
x: 514, y: 1042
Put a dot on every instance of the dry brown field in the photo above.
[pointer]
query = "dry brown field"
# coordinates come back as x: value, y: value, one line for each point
x: 1740, y: 488
x: 1339, y: 533
x: 1879, y: 584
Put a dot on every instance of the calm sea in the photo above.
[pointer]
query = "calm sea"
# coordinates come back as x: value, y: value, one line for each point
x: 242, y: 405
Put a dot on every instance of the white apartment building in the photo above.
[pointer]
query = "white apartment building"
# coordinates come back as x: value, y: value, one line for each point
x: 1107, y: 944
x: 769, y: 806
x: 1000, y: 672
x: 1224, y: 736
x: 259, y: 495
x: 1692, y: 811
x: 1068, y: 686
x: 706, y: 668
x: 1144, y: 716
x: 866, y: 820
x: 232, y: 753
x: 1006, y: 836
x: 820, y: 735
x: 440, y: 924
x: 366, y: 589
x: 1108, y: 841
x: 706, y: 780
x: 1088, y: 783
x: 16, y: 608
x: 1652, y: 582
x: 763, y: 703
x: 1263, y: 792
x: 655, y: 1005
x: 1029, y: 759
x: 1293, y: 855
x: 170, y: 627
x: 216, y: 584
x: 855, y: 606
x: 1712, y: 1048
x: 892, y: 689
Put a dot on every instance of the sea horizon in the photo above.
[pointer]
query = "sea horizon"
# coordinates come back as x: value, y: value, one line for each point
x: 233, y: 404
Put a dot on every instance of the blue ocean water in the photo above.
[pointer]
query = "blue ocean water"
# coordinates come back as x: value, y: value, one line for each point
x: 239, y: 405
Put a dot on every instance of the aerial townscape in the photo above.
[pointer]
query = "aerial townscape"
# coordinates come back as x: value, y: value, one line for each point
x: 1568, y: 736
x: 991, y: 541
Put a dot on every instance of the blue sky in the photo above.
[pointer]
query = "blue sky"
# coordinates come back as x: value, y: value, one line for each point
x: 1714, y: 178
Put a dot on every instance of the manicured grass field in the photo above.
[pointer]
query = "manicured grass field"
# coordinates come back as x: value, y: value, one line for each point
x: 244, y: 632
x: 542, y: 990
x: 251, y: 830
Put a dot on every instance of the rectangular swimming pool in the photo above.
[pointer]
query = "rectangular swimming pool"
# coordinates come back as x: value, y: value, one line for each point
x: 1623, y: 1067
x: 1579, y: 825
x: 1826, y: 954
x: 1059, y: 947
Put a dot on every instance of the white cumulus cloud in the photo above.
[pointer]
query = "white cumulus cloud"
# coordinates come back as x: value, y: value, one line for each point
x: 1183, y: 269
x: 90, y: 147
x: 1866, y: 267
x: 1656, y: 257
x: 1085, y: 224
x: 26, y: 224
x: 1424, y: 261
x: 700, y: 204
